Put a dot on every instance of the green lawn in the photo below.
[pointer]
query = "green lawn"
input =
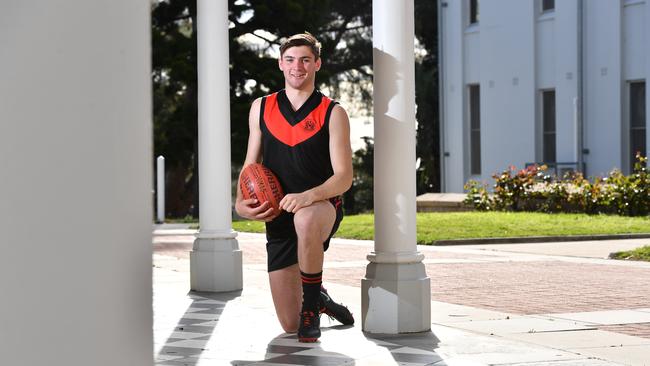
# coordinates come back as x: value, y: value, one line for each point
x: 248, y: 226
x: 471, y: 225
x: 638, y: 254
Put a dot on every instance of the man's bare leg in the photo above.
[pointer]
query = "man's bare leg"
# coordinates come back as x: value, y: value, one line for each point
x: 286, y: 290
x: 313, y: 226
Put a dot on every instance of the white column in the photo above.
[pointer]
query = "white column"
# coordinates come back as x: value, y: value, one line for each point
x: 215, y: 260
x: 396, y: 294
x: 75, y: 157
x: 160, y: 189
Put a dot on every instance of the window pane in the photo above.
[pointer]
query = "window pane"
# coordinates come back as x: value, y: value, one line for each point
x: 475, y: 152
x: 548, y: 111
x: 637, y: 105
x: 475, y: 128
x: 548, y: 5
x: 475, y: 107
x: 637, y: 144
x: 548, y: 126
x: 637, y: 121
x: 549, y: 148
x: 473, y: 11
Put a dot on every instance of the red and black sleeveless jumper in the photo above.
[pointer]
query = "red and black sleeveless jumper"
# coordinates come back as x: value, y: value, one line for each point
x: 295, y: 146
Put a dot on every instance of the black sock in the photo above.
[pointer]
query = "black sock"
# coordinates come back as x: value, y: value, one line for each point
x: 311, y: 283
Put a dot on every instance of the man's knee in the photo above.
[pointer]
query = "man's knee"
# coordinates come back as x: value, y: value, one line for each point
x: 306, y: 223
x: 289, y: 323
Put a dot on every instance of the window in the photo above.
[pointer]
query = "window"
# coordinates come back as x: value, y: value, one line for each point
x: 548, y: 5
x: 473, y: 12
x: 475, y: 129
x: 548, y: 127
x: 637, y: 121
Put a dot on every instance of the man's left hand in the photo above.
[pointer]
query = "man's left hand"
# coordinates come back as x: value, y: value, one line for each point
x: 293, y: 202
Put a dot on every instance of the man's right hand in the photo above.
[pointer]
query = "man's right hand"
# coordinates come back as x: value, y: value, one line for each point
x: 263, y: 212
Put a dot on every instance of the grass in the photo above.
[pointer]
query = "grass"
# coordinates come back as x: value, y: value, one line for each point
x: 249, y: 226
x: 470, y: 225
x: 638, y: 254
x: 188, y: 219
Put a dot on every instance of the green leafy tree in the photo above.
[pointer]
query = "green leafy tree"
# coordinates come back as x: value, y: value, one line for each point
x: 257, y: 28
x: 426, y: 97
x: 175, y: 100
x: 359, y: 198
x: 343, y: 27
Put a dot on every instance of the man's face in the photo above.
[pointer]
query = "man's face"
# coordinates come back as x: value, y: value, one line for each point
x: 299, y: 66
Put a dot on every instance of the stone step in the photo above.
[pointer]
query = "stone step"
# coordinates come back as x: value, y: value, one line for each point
x: 442, y: 202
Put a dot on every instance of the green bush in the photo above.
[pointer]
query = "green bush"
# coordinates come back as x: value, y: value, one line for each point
x: 477, y: 196
x: 531, y: 189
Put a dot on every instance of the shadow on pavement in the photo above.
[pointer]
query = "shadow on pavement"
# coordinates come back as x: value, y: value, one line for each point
x: 285, y: 349
x: 195, y: 327
x: 411, y: 348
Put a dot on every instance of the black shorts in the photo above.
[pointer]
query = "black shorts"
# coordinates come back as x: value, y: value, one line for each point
x: 282, y: 241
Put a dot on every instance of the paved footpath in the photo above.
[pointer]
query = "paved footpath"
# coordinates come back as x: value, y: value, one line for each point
x: 511, y: 304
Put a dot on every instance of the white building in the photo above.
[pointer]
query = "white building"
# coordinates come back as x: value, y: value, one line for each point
x: 542, y: 81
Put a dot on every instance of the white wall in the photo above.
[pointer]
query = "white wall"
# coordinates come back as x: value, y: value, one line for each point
x: 634, y: 37
x: 75, y: 159
x: 565, y: 79
x: 514, y: 52
x: 455, y: 140
x: 635, y: 52
x: 507, y: 85
x: 602, y: 73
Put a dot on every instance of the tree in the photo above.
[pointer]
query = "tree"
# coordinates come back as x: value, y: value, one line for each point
x: 426, y: 97
x: 343, y: 27
x: 257, y: 28
x: 174, y: 99
x: 359, y: 198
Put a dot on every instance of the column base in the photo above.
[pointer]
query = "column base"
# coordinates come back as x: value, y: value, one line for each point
x: 216, y: 265
x: 395, y: 298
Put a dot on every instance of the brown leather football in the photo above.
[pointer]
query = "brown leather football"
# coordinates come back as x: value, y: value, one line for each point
x: 258, y: 182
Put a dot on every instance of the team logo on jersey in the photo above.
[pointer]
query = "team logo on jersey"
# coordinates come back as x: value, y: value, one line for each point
x: 310, y: 125
x: 294, y: 134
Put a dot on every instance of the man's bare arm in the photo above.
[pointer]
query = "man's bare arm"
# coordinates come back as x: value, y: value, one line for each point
x: 253, y: 155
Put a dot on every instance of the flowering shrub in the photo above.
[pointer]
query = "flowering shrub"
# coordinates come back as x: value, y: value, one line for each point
x: 477, y: 196
x: 531, y: 189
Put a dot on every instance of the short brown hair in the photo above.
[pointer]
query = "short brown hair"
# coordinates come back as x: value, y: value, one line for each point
x: 301, y: 39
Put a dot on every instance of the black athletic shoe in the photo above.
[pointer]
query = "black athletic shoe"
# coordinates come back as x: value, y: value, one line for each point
x: 309, y: 330
x: 334, y: 310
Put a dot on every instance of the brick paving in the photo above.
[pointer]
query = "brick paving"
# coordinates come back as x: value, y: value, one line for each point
x: 637, y: 330
x: 539, y: 286
x: 339, y: 252
x: 254, y: 252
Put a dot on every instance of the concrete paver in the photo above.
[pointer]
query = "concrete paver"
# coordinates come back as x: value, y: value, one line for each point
x: 637, y: 329
x: 611, y: 317
x: 505, y: 327
x: 588, y: 338
x: 448, y: 314
x: 502, y: 304
x: 586, y: 249
x: 626, y: 355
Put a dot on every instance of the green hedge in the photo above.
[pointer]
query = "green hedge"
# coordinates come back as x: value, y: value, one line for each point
x: 532, y: 189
